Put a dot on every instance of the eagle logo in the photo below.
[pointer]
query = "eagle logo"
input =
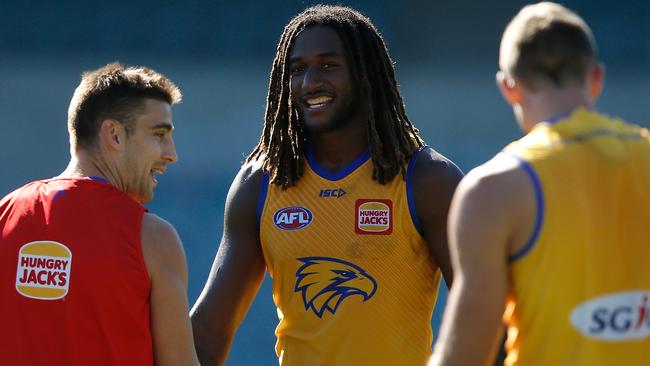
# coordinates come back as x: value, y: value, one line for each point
x: 325, y: 282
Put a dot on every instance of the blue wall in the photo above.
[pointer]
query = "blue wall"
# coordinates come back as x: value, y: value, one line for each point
x: 220, y: 54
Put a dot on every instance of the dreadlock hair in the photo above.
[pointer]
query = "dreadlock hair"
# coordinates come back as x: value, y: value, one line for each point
x: 391, y: 135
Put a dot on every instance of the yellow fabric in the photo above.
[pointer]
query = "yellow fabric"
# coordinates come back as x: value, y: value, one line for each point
x: 385, y: 268
x: 579, y: 294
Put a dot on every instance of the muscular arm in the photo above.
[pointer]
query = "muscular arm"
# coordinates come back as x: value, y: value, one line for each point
x: 434, y: 180
x: 492, y: 212
x: 170, y: 325
x: 236, y: 274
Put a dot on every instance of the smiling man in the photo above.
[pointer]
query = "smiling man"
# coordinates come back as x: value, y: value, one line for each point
x: 89, y: 277
x: 342, y: 203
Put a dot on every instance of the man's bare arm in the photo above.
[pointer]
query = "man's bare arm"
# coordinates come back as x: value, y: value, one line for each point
x: 492, y: 212
x: 435, y: 179
x: 170, y: 324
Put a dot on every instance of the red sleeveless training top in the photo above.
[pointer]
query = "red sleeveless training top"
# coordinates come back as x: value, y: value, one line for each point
x: 74, y: 288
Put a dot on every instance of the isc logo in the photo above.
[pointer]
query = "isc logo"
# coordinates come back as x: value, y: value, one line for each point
x: 292, y: 218
x: 336, y: 192
x: 616, y: 317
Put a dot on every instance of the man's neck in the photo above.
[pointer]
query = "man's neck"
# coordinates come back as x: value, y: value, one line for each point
x: 335, y: 150
x: 548, y: 104
x: 85, y: 164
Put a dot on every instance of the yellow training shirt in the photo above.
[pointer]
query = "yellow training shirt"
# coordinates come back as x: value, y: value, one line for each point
x: 352, y: 277
x: 581, y: 286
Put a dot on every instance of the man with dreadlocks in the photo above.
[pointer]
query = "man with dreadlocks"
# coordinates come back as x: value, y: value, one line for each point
x: 341, y: 201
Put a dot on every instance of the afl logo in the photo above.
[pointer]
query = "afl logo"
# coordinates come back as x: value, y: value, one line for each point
x: 43, y: 270
x: 292, y: 218
x: 374, y: 217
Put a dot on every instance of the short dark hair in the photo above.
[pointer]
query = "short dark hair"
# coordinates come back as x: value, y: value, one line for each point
x: 547, y: 41
x: 115, y: 92
x: 391, y: 135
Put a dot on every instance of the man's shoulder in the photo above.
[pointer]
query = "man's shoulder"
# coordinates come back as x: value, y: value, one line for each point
x: 250, y: 178
x: 252, y: 169
x: 501, y: 194
x: 161, y: 244
x: 246, y: 190
x: 502, y: 180
x: 28, y: 191
x: 158, y: 232
x: 431, y: 167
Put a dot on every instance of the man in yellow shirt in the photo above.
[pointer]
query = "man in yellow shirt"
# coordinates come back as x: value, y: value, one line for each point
x: 341, y: 201
x: 555, y: 226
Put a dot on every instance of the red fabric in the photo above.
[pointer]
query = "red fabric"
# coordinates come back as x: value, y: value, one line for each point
x: 104, y: 318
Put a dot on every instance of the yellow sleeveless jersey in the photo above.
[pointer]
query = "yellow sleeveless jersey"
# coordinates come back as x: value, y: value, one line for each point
x: 353, y: 281
x: 581, y: 286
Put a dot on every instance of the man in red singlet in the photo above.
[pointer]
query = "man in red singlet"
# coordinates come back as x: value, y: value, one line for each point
x: 87, y: 275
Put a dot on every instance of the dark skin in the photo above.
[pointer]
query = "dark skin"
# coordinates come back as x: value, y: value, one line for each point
x: 322, y: 86
x: 323, y: 92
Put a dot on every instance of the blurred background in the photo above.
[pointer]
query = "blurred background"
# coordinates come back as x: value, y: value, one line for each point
x: 220, y: 52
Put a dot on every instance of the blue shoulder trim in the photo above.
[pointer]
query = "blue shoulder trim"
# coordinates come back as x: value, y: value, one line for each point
x: 409, y: 189
x: 341, y: 173
x: 539, y: 198
x: 99, y: 179
x: 558, y: 117
x: 264, y: 187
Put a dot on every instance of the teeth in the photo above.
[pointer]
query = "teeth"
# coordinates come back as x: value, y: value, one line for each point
x: 318, y: 101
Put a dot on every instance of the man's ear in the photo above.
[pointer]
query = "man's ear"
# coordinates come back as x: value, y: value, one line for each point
x: 509, y: 89
x: 112, y: 134
x: 595, y: 81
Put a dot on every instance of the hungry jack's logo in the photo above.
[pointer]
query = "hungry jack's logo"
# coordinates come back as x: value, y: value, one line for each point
x: 43, y: 270
x: 374, y: 217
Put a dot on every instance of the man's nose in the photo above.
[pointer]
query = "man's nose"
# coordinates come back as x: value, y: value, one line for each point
x: 169, y: 153
x: 312, y: 80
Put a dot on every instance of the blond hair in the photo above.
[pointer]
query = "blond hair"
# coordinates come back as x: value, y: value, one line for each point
x: 547, y: 42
